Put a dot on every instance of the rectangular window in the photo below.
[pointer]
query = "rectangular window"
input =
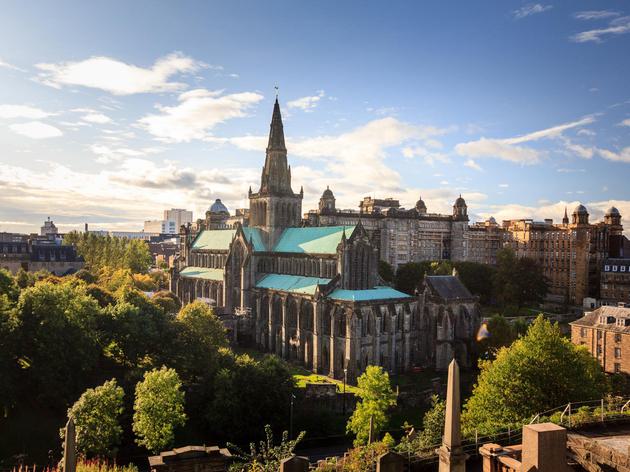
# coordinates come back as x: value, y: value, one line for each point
x: 583, y: 332
x: 622, y: 268
x: 617, y: 353
x: 606, y: 268
x: 617, y: 338
x: 617, y: 368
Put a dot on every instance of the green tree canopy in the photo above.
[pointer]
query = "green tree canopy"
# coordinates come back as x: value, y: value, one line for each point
x: 97, y: 420
x: 409, y: 276
x: 58, y: 338
x: 107, y: 251
x: 518, y: 281
x: 430, y: 436
x: 238, y: 387
x: 539, y: 371
x: 377, y: 397
x: 158, y: 409
x: 386, y: 271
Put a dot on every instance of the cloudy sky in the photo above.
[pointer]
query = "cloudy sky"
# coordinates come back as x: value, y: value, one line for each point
x: 112, y: 111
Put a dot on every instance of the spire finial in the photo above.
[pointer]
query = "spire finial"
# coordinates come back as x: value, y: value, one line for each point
x: 277, y: 88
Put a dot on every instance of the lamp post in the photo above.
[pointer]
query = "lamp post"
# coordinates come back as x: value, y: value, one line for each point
x: 291, y: 418
x: 345, y: 379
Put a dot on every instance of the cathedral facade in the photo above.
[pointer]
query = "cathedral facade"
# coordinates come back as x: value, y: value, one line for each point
x: 309, y: 294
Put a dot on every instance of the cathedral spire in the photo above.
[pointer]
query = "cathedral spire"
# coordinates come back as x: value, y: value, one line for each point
x: 565, y: 220
x: 276, y: 131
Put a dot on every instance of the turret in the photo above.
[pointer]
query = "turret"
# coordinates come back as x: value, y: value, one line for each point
x: 460, y: 209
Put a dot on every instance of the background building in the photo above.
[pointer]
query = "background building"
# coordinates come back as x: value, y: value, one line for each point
x: 615, y: 282
x: 179, y: 216
x: 606, y: 334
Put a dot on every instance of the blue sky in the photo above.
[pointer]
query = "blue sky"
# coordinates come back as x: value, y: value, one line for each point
x: 112, y: 111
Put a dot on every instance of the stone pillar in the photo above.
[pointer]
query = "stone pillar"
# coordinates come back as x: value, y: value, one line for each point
x: 317, y: 348
x: 544, y: 448
x: 452, y: 457
x: 333, y: 334
x: 300, y: 334
x: 258, y: 323
x: 284, y: 329
x: 270, y: 337
x: 70, y: 448
x: 350, y: 336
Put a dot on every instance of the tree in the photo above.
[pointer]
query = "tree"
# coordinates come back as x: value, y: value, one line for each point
x: 58, y: 339
x: 168, y: 301
x: 478, y: 279
x: 203, y: 324
x: 242, y: 380
x: 158, y: 409
x: 8, y: 286
x: 518, y: 281
x: 410, y: 275
x: 107, y: 251
x: 8, y: 362
x: 96, y: 417
x: 539, y: 371
x: 386, y: 271
x: 432, y: 430
x: 500, y: 334
x: 441, y: 268
x: 377, y: 397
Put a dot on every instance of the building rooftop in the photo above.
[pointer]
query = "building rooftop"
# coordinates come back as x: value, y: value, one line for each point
x: 317, y: 240
x: 376, y: 293
x: 448, y: 287
x: 202, y: 273
x: 292, y: 283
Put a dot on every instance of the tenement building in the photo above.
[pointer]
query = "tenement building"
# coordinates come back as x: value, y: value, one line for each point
x: 414, y: 235
x: 606, y: 334
x: 615, y: 282
x: 572, y: 253
x: 309, y: 294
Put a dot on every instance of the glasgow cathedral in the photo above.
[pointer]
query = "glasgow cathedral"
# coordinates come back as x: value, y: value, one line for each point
x: 312, y: 294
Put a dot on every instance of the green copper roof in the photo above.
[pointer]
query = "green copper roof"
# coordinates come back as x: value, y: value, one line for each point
x: 291, y: 283
x: 202, y: 273
x: 376, y: 293
x: 217, y: 239
x: 220, y: 239
x: 256, y: 238
x: 319, y: 240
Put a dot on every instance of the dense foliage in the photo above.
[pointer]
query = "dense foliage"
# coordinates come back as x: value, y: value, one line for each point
x: 62, y: 336
x: 426, y: 441
x: 158, y: 409
x: 377, y: 398
x: 266, y: 456
x: 514, y: 282
x: 107, y: 251
x: 540, y: 371
x: 96, y: 417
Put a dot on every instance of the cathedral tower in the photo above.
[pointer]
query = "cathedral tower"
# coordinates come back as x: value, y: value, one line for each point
x: 275, y: 207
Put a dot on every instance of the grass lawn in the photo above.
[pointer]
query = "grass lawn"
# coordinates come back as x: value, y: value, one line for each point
x: 301, y: 375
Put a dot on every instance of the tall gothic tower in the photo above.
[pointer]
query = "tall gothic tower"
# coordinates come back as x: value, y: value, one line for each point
x: 275, y: 207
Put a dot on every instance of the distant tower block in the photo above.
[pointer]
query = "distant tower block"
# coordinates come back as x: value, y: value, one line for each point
x: 452, y: 457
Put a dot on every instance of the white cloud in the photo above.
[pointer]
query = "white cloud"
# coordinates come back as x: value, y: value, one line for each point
x: 36, y: 130
x: 196, y: 114
x: 308, y: 103
x: 625, y: 122
x: 98, y: 118
x: 107, y: 154
x: 615, y: 27
x: 472, y: 164
x: 22, y: 111
x: 622, y: 156
x: 595, y: 14
x: 504, y: 185
x: 117, y: 77
x: 508, y: 150
x: 530, y: 9
x: 429, y: 157
x: 6, y: 65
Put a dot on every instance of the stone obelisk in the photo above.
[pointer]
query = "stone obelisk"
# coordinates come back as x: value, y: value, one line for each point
x: 452, y: 457
x: 70, y: 448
